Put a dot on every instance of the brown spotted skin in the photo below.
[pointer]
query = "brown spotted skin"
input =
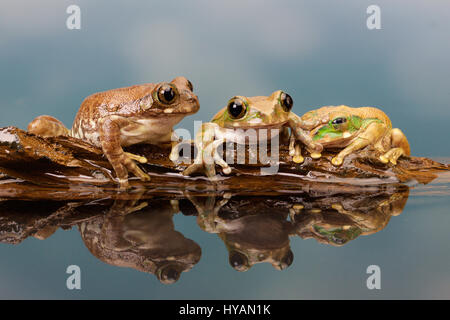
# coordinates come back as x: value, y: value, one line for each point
x: 120, y: 102
x: 121, y: 117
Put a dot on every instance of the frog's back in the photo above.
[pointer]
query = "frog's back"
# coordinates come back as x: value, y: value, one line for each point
x: 363, y: 112
x: 120, y: 95
x: 92, y: 106
x: 372, y: 112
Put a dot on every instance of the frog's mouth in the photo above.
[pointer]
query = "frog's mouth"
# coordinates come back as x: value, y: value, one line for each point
x: 330, y: 137
x: 255, y: 126
x: 168, y: 112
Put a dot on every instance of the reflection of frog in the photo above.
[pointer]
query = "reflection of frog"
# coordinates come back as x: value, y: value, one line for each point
x: 260, y: 233
x: 122, y: 117
x: 144, y: 240
x: 272, y: 112
x: 355, y: 128
x: 337, y: 221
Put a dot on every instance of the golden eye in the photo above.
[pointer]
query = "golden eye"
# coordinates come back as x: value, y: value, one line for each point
x: 236, y: 108
x: 286, y: 101
x: 167, y: 93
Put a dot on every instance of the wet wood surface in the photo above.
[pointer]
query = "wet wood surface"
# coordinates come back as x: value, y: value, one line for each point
x: 32, y: 167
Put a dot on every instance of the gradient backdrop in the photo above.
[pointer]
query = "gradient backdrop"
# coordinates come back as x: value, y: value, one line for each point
x: 321, y: 52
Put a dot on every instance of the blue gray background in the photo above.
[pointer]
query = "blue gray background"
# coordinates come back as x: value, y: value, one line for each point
x: 321, y: 52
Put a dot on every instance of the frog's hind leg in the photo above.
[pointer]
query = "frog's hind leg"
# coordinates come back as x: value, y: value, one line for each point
x: 400, y: 147
x: 47, y: 126
x: 372, y: 133
x: 398, y: 139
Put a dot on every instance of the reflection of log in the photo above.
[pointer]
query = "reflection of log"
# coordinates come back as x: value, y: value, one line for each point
x: 65, y: 161
x: 368, y: 211
x: 122, y: 233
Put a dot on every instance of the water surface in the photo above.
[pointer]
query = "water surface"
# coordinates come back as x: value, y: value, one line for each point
x: 306, y: 245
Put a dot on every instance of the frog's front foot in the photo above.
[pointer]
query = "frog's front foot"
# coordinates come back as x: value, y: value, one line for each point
x: 206, y: 160
x: 201, y: 168
x: 126, y: 164
x: 136, y: 157
x: 295, y: 150
x: 337, y: 161
x: 296, y: 153
x: 132, y: 167
x: 315, y: 150
x: 177, y: 146
x: 315, y: 155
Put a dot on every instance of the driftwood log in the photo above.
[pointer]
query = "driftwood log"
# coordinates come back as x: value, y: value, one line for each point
x: 72, y: 164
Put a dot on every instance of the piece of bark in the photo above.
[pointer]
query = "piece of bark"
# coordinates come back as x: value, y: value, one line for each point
x: 67, y: 162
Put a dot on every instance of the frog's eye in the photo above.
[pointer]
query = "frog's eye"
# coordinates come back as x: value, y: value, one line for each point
x: 236, y: 108
x: 287, y: 260
x: 238, y: 261
x: 167, y: 93
x: 286, y: 101
x: 169, y: 274
x: 338, y: 121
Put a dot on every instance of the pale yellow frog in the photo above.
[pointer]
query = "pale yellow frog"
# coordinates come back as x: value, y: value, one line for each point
x: 351, y: 129
x: 272, y: 112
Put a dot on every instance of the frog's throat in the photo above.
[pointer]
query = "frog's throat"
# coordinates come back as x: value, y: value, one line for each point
x: 247, y: 136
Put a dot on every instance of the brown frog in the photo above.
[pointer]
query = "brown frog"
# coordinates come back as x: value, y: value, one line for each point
x: 141, y: 236
x: 122, y: 117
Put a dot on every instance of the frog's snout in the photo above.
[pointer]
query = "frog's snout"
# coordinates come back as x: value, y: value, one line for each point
x: 192, y: 100
x: 191, y: 97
